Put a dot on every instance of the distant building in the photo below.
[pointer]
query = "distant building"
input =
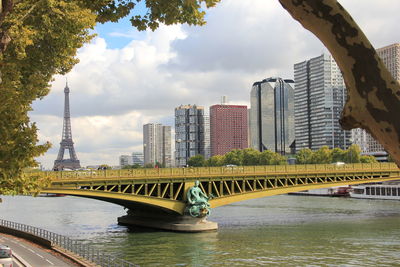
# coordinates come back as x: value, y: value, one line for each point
x: 207, y: 140
x: 271, y: 116
x: 157, y: 144
x: 228, y: 128
x: 125, y: 160
x: 189, y: 133
x: 137, y: 158
x: 319, y: 97
x: 390, y: 56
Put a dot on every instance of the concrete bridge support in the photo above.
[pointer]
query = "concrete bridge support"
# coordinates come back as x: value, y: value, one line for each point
x: 166, y: 221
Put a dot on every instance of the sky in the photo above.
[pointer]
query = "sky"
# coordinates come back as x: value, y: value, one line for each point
x: 128, y: 78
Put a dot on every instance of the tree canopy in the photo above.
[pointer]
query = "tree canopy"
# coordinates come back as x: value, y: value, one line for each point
x: 252, y: 157
x: 324, y: 155
x: 239, y: 157
x: 40, y: 38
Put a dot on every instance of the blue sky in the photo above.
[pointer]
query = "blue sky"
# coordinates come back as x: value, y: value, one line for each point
x: 127, y: 78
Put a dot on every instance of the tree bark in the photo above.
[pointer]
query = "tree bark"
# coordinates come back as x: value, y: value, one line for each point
x: 373, y: 95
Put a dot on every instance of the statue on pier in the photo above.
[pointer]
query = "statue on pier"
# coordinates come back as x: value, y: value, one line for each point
x: 197, y: 205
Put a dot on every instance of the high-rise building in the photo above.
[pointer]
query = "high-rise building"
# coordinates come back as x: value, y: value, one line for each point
x: 207, y: 140
x: 137, y: 158
x: 166, y: 147
x: 271, y: 115
x: 319, y: 97
x: 390, y: 56
x: 189, y: 133
x: 157, y: 144
x: 125, y: 160
x: 228, y: 128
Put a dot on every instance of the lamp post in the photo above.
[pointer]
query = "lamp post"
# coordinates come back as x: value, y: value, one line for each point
x: 145, y: 155
x: 351, y: 154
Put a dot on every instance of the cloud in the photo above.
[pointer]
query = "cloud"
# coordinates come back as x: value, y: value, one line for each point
x: 114, y: 91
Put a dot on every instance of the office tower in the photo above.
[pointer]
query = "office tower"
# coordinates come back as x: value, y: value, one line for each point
x: 390, y: 56
x: 319, y: 97
x: 157, y: 144
x: 137, y: 158
x: 66, y: 142
x: 166, y: 146
x: 207, y: 140
x: 189, y: 133
x: 271, y: 118
x: 125, y: 160
x: 228, y: 128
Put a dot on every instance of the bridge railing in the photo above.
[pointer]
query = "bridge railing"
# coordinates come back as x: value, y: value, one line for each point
x: 75, y: 247
x: 214, y: 171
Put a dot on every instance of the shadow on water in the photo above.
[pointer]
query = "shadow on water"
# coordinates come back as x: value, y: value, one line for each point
x: 141, y: 230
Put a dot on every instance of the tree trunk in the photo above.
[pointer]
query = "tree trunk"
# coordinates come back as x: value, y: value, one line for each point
x: 6, y: 7
x: 373, y: 95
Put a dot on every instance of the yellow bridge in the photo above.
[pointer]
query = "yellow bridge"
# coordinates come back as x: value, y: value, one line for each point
x: 164, y: 190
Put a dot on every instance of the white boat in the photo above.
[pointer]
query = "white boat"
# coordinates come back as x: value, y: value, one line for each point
x: 376, y: 191
x: 336, y: 191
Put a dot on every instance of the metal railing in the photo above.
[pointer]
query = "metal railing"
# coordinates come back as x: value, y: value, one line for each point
x: 210, y: 171
x: 76, y: 247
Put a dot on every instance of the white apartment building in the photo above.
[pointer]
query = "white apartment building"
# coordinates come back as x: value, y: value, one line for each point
x: 157, y: 144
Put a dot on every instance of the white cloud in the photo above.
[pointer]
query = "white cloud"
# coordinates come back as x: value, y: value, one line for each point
x: 115, y: 91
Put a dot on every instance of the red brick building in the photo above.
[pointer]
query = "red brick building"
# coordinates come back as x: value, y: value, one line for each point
x: 228, y: 128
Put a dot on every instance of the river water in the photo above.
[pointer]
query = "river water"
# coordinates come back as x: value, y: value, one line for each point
x: 281, y: 230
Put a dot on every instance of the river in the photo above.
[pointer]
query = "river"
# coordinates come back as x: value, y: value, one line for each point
x: 281, y: 230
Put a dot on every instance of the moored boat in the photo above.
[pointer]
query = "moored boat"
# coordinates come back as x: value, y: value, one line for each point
x: 336, y: 191
x: 376, y: 191
x: 50, y: 195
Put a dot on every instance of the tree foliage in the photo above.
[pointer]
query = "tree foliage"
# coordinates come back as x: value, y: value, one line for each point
x: 196, y: 161
x: 304, y: 156
x: 215, y: 161
x: 324, y: 155
x: 134, y: 166
x: 244, y: 157
x: 40, y: 38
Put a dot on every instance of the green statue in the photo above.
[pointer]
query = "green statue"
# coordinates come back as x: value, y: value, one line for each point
x: 198, y: 205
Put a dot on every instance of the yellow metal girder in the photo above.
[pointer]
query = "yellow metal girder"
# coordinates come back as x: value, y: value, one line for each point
x: 161, y: 188
x: 175, y: 206
x: 222, y: 201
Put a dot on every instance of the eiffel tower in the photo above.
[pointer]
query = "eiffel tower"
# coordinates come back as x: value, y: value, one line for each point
x: 66, y: 143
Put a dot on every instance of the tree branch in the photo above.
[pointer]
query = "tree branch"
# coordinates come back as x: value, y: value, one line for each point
x: 373, y: 99
x: 6, y: 7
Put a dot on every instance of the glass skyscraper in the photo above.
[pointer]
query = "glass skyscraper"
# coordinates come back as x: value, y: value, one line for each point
x: 271, y: 115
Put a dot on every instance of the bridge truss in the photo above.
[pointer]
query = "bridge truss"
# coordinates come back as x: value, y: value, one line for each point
x: 166, y: 188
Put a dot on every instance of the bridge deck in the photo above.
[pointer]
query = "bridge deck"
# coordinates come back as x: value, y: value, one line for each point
x: 165, y: 188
